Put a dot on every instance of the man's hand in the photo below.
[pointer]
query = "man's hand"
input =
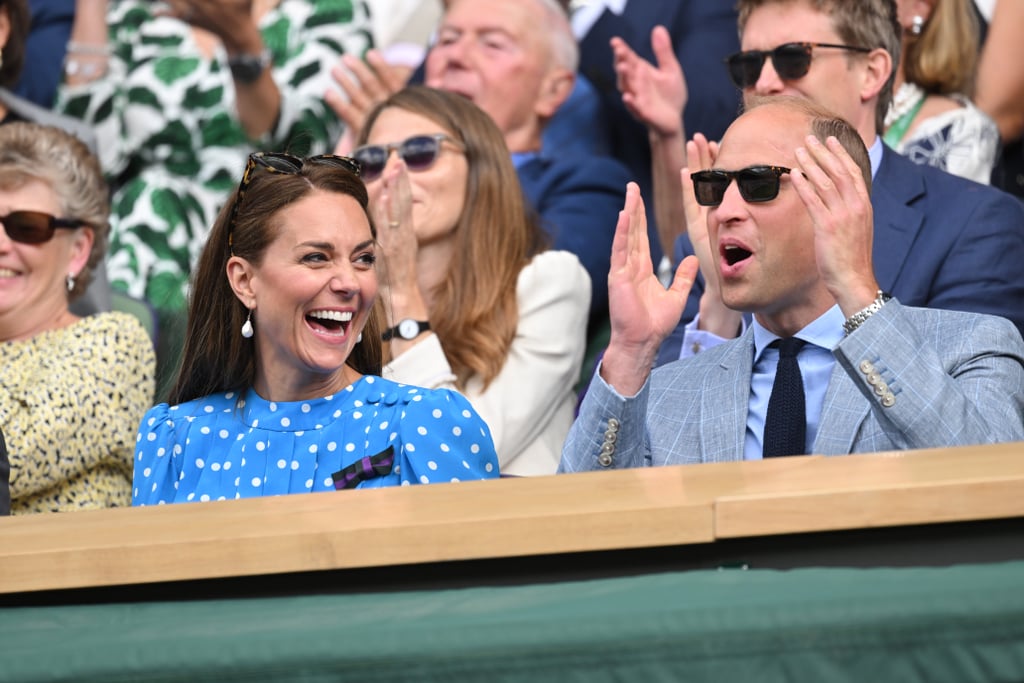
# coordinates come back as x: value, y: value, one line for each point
x: 833, y: 189
x: 641, y: 310
x: 365, y: 85
x: 655, y: 95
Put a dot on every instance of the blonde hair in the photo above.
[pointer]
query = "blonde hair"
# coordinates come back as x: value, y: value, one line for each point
x: 30, y: 151
x: 475, y: 312
x: 943, y: 59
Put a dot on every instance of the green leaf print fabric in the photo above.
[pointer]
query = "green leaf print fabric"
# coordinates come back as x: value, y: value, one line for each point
x: 170, y: 141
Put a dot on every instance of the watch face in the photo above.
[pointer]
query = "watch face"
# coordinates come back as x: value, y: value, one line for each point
x: 408, y: 329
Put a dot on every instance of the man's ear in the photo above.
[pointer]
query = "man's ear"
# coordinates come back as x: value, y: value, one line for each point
x: 879, y: 68
x: 554, y: 90
x: 243, y: 281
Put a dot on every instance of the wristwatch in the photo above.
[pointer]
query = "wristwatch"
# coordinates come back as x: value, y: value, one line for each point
x: 858, y: 318
x: 406, y: 329
x: 246, y: 68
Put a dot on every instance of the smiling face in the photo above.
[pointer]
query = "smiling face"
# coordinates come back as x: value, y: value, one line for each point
x: 766, y: 258
x: 438, y: 192
x: 33, y: 294
x: 310, y: 295
x: 498, y: 54
x: 838, y: 79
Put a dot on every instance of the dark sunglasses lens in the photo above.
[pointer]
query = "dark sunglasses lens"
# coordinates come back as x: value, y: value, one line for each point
x: 28, y: 227
x: 709, y: 187
x: 758, y: 185
x: 371, y: 160
x: 745, y: 68
x: 420, y: 152
x: 791, y: 61
x: 283, y: 163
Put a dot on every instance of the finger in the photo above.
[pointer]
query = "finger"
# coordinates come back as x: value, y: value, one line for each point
x: 686, y: 273
x: 664, y: 52
x: 356, y: 97
x: 854, y: 171
x: 392, y: 78
x: 690, y: 205
x: 368, y: 78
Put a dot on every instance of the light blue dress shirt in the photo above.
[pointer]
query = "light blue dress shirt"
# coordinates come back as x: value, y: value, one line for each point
x: 816, y: 363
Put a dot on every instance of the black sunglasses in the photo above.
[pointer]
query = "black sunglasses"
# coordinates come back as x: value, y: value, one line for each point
x: 287, y: 164
x: 418, y: 152
x: 756, y: 183
x: 35, y: 227
x: 791, y: 61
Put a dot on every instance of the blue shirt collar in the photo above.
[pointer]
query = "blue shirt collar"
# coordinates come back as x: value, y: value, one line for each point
x: 875, y: 155
x: 825, y: 331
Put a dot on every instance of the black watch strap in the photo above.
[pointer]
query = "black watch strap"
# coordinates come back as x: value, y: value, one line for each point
x: 406, y: 329
x: 246, y: 68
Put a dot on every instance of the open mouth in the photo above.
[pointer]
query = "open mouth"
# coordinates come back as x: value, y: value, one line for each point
x: 733, y: 254
x: 335, y: 323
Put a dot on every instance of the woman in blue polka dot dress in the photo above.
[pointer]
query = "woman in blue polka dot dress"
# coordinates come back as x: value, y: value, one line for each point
x: 278, y: 389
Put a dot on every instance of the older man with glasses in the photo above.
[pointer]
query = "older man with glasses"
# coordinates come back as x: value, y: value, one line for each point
x: 940, y: 241
x: 831, y: 363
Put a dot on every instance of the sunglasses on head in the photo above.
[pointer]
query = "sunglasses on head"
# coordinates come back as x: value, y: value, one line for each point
x: 756, y: 183
x: 286, y: 164
x: 418, y: 152
x: 34, y: 227
x: 790, y: 61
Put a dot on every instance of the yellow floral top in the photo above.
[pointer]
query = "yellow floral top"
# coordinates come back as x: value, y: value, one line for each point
x: 70, y: 404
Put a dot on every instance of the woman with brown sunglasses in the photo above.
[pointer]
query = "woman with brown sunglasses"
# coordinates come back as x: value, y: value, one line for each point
x: 71, y: 389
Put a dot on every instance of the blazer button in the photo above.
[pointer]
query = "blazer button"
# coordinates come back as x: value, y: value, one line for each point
x: 874, y: 378
x: 605, y: 460
x: 613, y: 424
x: 866, y: 367
x: 888, y: 400
x: 610, y: 436
x: 881, y: 388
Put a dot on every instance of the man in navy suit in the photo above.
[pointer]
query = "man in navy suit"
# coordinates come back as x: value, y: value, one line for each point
x: 516, y: 59
x: 940, y: 241
x: 790, y: 216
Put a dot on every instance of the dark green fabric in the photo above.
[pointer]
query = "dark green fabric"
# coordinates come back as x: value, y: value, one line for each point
x: 956, y: 624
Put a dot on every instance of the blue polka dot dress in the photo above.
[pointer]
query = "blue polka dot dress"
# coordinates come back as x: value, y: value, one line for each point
x: 373, y: 433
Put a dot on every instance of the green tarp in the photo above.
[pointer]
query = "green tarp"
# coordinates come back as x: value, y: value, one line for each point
x: 956, y: 624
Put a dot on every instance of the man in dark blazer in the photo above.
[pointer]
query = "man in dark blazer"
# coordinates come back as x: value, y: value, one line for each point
x: 790, y: 216
x: 516, y: 60
x: 940, y: 241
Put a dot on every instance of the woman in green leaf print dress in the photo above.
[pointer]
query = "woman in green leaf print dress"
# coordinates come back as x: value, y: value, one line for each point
x: 179, y: 93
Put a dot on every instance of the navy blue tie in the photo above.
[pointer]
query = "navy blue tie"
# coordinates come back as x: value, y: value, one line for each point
x: 785, y: 425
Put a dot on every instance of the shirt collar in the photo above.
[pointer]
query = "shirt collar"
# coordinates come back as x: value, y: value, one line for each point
x: 875, y: 155
x: 825, y: 331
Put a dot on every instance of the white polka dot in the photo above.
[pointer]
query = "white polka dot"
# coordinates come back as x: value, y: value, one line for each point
x: 357, y: 415
x: 227, y: 464
x: 383, y: 425
x: 205, y: 498
x: 444, y: 448
x: 437, y: 412
x: 489, y: 467
x: 255, y: 481
x: 282, y: 463
x: 199, y: 463
x: 177, y: 449
x: 146, y: 472
x: 456, y: 430
x: 181, y: 476
x: 332, y: 446
x: 398, y: 469
x: 465, y: 464
x: 369, y: 379
x: 394, y: 435
x: 424, y: 479
x: 215, y: 467
x: 243, y: 462
x: 350, y: 447
x: 255, y: 423
x: 474, y: 449
x: 455, y: 480
x: 191, y: 497
x: 313, y: 448
x: 204, y: 430
x: 295, y: 465
x: 431, y: 464
x: 357, y: 404
x: 417, y: 398
x: 239, y: 437
x: 224, y: 434
x: 466, y: 413
x: 285, y: 422
x: 208, y: 409
x: 238, y: 480
x: 299, y: 433
x: 151, y: 436
x: 405, y: 482
x: 337, y: 413
x: 260, y: 445
x: 410, y: 448
x: 328, y: 482
x: 309, y: 483
x: 151, y: 421
x: 230, y: 394
x: 422, y: 431
x: 273, y: 407
x: 306, y: 408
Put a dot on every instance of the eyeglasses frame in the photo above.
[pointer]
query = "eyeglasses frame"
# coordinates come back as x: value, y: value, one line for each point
x: 808, y: 47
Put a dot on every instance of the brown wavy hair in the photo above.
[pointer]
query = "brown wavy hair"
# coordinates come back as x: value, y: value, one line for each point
x: 216, y: 357
x: 14, y: 51
x: 475, y: 312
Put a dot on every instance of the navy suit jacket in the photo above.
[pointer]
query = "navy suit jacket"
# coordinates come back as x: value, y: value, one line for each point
x: 578, y: 199
x: 940, y: 242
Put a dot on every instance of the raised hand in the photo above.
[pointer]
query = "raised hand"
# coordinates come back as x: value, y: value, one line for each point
x: 833, y: 189
x: 641, y: 310
x: 365, y: 85
x: 655, y: 95
x: 396, y: 233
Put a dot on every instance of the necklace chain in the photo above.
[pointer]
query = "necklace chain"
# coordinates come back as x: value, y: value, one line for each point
x: 905, y: 99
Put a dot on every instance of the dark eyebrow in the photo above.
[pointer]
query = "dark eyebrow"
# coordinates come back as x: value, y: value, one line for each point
x: 364, y: 245
x: 325, y: 246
